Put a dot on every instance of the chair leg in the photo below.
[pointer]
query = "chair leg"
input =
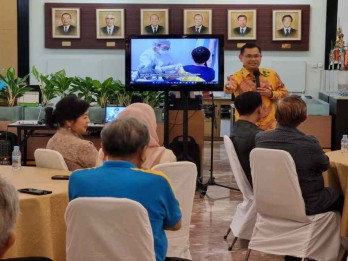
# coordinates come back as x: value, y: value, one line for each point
x: 228, y: 231
x: 247, y: 255
x: 233, y: 242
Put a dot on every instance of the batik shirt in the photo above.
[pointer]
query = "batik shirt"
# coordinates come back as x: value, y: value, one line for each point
x: 244, y: 81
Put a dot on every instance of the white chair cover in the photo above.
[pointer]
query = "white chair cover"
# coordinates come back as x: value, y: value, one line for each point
x: 106, y: 229
x: 51, y: 159
x: 244, y: 219
x: 183, y: 175
x: 282, y: 227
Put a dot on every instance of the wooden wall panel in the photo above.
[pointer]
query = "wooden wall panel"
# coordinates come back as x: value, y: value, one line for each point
x: 8, y: 34
x: 132, y: 24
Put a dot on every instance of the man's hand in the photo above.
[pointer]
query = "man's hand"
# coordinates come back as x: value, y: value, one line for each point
x: 228, y: 86
x: 265, y: 90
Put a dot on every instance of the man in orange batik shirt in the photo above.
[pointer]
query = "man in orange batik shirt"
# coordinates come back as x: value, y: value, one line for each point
x: 270, y: 87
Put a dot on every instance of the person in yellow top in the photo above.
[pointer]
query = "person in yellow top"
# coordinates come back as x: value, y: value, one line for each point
x: 268, y: 84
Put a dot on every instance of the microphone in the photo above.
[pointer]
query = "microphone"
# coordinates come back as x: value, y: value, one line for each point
x: 257, y: 78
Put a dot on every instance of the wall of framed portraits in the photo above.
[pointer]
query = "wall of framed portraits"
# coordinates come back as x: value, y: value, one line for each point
x: 302, y: 66
x: 262, y: 24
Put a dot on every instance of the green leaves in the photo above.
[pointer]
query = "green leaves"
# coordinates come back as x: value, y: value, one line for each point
x: 105, y: 91
x: 15, y: 86
x: 84, y: 88
x: 154, y: 99
x: 47, y: 88
x: 62, y: 83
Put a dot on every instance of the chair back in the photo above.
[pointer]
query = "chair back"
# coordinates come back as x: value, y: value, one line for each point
x: 277, y: 191
x: 183, y: 175
x: 244, y: 218
x: 237, y: 170
x: 106, y: 229
x: 51, y: 159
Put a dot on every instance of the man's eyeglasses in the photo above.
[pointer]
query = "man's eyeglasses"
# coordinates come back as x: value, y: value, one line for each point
x: 255, y: 56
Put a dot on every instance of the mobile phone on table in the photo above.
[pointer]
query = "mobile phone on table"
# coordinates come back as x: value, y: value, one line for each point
x: 64, y: 177
x: 34, y: 191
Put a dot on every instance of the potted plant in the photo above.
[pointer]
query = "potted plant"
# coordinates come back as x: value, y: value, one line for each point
x: 122, y: 97
x: 61, y: 83
x: 105, y: 91
x: 83, y: 88
x: 15, y: 87
x: 47, y: 87
x: 154, y: 98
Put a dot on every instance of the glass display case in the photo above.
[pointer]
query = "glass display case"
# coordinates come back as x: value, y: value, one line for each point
x: 334, y: 81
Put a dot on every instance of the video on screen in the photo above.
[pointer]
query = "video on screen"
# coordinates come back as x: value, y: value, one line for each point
x: 175, y: 61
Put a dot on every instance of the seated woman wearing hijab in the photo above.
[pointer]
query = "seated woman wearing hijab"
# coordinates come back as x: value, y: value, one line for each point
x: 71, y: 114
x: 155, y: 154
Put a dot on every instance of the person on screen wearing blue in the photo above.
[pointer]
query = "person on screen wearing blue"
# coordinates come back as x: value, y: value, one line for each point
x: 154, y: 60
x: 199, y: 71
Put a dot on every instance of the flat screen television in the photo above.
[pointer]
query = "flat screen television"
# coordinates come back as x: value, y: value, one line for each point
x: 174, y: 63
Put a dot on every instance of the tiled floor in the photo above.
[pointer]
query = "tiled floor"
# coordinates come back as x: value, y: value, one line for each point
x: 212, y: 214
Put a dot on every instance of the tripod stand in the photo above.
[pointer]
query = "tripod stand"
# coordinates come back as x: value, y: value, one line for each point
x: 211, y: 180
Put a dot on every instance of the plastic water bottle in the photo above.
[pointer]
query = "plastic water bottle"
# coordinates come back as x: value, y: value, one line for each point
x: 344, y: 144
x: 16, y: 158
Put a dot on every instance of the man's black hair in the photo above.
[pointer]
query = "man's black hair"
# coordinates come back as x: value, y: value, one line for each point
x: 247, y: 102
x: 200, y: 54
x: 249, y: 46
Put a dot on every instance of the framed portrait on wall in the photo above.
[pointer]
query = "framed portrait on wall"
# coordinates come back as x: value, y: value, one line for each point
x: 197, y: 21
x: 286, y: 25
x: 241, y: 24
x: 110, y: 23
x: 154, y: 21
x: 66, y: 22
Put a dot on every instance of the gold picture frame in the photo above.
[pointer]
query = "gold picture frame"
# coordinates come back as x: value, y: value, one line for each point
x: 242, y: 24
x: 110, y: 23
x: 66, y: 22
x: 154, y: 21
x: 197, y: 21
x: 287, y: 25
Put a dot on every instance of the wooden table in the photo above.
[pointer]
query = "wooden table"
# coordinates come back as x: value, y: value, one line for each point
x: 40, y: 229
x: 337, y: 177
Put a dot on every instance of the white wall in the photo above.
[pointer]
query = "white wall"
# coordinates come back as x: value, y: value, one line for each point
x: 342, y: 18
x: 100, y: 64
